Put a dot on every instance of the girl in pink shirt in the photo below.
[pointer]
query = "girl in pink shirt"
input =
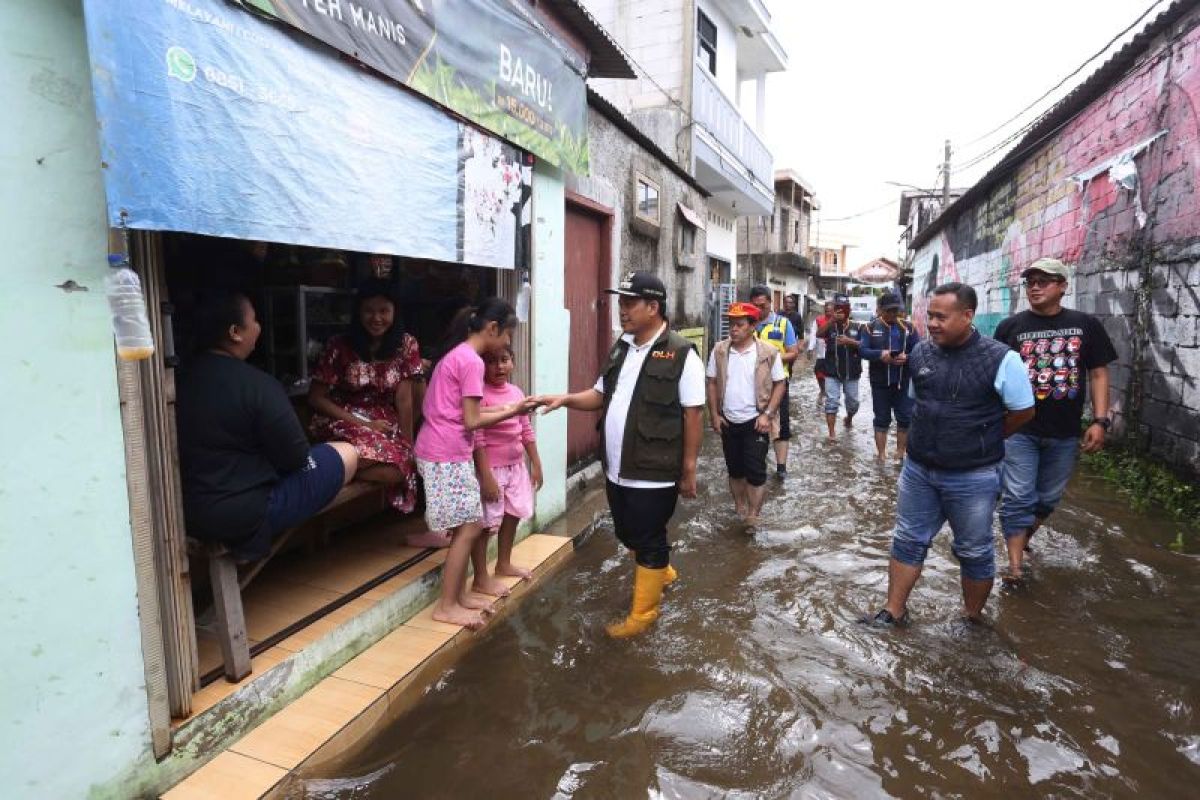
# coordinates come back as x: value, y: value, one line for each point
x: 506, y: 484
x: 446, y: 444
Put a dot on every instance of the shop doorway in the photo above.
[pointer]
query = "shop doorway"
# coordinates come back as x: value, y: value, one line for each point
x: 303, y: 297
x: 587, y: 262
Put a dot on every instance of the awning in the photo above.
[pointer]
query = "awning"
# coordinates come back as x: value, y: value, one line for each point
x: 691, y: 216
x: 222, y: 123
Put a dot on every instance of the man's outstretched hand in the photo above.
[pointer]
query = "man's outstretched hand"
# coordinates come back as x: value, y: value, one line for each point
x: 551, y: 402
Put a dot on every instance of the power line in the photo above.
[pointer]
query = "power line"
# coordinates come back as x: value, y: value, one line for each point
x: 1143, y: 66
x: 1073, y: 73
x: 891, y: 202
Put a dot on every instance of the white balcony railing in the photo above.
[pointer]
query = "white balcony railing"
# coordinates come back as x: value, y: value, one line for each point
x: 712, y: 109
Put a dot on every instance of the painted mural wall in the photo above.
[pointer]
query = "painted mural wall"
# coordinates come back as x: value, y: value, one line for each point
x: 1112, y: 193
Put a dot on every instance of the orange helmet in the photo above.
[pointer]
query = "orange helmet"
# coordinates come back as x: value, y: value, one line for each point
x: 748, y: 310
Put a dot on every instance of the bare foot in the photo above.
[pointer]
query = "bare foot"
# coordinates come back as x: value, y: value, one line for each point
x: 513, y: 571
x: 457, y: 615
x: 428, y: 539
x: 469, y: 600
x: 490, y: 586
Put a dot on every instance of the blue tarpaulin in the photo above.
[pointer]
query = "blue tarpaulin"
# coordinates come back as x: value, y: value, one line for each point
x: 216, y: 122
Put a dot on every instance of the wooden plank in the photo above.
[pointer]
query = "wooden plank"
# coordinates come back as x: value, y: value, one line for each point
x: 231, y: 620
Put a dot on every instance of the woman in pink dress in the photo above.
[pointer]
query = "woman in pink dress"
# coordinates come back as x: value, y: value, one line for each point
x: 362, y: 393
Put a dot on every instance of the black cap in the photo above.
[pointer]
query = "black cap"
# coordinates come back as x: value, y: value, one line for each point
x: 890, y: 300
x: 640, y: 284
x: 841, y: 300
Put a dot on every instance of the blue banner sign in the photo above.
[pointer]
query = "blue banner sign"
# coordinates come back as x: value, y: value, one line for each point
x: 218, y: 122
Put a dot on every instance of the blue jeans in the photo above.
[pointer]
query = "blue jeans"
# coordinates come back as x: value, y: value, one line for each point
x: 888, y: 401
x: 1036, y: 472
x: 833, y: 395
x: 931, y: 497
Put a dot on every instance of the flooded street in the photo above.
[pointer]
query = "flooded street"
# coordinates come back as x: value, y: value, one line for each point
x: 758, y: 681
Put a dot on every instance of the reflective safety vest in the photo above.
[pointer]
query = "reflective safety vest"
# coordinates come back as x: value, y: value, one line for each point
x: 775, y: 334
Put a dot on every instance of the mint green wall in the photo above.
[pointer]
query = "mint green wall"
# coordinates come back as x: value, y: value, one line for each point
x: 551, y: 335
x: 72, y: 702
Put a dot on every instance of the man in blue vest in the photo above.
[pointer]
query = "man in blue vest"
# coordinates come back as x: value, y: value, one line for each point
x: 777, y: 331
x: 885, y: 343
x: 651, y: 394
x: 971, y: 393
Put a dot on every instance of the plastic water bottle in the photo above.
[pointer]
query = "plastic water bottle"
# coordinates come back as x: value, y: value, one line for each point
x: 131, y: 326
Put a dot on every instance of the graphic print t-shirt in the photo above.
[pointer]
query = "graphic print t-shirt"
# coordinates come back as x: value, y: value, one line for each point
x: 1057, y: 352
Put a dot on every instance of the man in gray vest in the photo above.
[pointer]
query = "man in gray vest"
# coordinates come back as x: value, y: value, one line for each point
x: 651, y: 393
x: 971, y: 393
x: 746, y: 381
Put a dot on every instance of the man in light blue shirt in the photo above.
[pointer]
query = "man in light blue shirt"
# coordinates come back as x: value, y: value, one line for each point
x: 971, y: 393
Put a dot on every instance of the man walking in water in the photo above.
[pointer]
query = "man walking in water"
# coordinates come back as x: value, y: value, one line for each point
x: 816, y: 350
x: 842, y: 365
x: 777, y: 331
x: 651, y: 393
x: 1063, y: 351
x: 971, y: 393
x: 746, y: 382
x: 885, y: 343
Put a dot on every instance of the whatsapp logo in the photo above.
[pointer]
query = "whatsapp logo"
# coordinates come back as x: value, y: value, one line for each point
x: 181, y: 65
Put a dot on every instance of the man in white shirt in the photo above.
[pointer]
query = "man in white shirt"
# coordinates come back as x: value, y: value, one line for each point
x: 651, y: 393
x: 746, y: 382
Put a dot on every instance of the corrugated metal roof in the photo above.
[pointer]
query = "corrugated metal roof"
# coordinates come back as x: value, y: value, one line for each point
x: 608, y: 59
x: 1062, y: 112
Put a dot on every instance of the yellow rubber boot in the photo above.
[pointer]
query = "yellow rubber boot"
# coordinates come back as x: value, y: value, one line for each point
x: 671, y: 576
x: 647, y: 594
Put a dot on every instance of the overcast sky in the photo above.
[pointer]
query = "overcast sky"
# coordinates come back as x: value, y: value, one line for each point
x: 874, y: 87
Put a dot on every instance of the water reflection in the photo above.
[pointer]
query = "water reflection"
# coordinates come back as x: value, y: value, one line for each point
x: 758, y: 682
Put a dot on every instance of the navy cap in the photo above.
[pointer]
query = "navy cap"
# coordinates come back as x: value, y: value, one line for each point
x: 640, y: 284
x: 890, y: 300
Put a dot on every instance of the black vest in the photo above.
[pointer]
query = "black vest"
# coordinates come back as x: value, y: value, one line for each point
x: 652, y: 448
x: 841, y: 362
x: 958, y: 419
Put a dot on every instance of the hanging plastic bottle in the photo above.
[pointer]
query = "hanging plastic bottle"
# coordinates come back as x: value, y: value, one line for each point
x: 131, y: 326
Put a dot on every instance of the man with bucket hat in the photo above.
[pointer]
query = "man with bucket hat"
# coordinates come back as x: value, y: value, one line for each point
x: 651, y: 395
x: 746, y: 382
x: 1064, y: 350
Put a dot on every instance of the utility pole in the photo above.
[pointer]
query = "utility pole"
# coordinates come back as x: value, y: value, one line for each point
x: 946, y: 178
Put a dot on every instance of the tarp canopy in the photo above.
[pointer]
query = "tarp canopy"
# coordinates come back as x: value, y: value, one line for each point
x: 219, y: 122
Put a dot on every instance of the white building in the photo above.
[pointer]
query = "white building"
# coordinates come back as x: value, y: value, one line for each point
x: 701, y: 95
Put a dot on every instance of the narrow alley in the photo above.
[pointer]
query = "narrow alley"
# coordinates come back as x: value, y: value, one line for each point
x: 759, y: 681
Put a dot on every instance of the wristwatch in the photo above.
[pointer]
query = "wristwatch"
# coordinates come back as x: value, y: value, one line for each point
x: 1103, y: 422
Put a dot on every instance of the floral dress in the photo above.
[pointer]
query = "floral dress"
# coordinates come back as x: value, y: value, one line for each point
x: 368, y: 389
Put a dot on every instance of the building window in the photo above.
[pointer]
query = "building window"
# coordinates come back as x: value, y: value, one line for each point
x: 687, y: 238
x: 706, y: 42
x: 647, y: 199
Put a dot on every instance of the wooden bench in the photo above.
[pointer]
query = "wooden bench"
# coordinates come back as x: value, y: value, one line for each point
x: 227, y: 584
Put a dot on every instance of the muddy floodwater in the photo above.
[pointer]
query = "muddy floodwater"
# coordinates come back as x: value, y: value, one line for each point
x: 758, y: 680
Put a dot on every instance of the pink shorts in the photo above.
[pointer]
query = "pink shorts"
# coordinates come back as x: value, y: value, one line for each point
x: 516, y: 496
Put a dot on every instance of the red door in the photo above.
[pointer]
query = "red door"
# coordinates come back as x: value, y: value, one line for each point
x: 586, y: 262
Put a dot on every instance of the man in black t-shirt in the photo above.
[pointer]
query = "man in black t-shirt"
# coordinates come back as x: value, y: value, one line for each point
x: 1063, y: 351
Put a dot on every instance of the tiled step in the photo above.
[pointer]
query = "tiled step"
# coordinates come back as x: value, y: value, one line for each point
x: 341, y: 710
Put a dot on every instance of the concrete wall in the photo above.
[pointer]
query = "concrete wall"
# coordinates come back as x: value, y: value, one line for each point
x: 551, y: 354
x: 722, y: 234
x: 655, y: 34
x: 73, y: 706
x: 614, y: 160
x: 1135, y: 242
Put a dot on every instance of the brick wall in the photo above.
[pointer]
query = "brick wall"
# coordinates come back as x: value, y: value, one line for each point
x: 1133, y: 236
